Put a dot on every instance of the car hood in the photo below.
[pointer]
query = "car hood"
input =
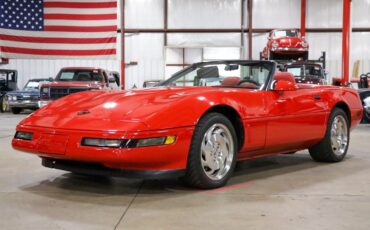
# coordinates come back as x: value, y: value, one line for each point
x: 73, y: 84
x: 288, y: 41
x: 139, y: 110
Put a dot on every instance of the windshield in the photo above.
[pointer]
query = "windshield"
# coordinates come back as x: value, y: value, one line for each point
x: 285, y: 33
x: 225, y: 74
x: 79, y: 75
x: 305, y: 70
x: 32, y: 85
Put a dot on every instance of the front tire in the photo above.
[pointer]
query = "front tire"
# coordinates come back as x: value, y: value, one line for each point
x: 334, y: 146
x: 16, y: 110
x: 212, y: 155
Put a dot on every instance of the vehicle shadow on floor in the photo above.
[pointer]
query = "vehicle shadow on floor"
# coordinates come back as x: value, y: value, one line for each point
x: 256, y: 171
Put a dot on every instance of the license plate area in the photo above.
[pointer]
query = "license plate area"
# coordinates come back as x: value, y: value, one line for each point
x: 53, y: 144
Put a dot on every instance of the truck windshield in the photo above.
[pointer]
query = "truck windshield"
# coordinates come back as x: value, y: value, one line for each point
x: 79, y: 75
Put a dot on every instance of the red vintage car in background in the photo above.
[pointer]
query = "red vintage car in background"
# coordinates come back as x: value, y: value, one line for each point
x: 287, y: 44
x: 243, y: 110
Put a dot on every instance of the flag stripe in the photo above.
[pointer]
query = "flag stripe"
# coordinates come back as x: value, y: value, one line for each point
x: 58, y: 46
x: 81, y: 16
x: 75, y: 57
x: 58, y: 34
x: 88, y: 1
x: 80, y: 11
x: 47, y: 52
x: 81, y: 23
x: 80, y: 28
x: 58, y: 39
x: 80, y: 4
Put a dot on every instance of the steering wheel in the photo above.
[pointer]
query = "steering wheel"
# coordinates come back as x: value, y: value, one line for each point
x: 249, y: 81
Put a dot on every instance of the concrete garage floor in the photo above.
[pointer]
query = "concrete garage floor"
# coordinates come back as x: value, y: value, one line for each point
x: 281, y: 192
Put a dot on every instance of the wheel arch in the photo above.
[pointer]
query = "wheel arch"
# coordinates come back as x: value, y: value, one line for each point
x: 342, y: 105
x: 234, y: 118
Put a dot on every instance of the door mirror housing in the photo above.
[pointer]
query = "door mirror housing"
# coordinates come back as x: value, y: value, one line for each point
x: 283, y: 85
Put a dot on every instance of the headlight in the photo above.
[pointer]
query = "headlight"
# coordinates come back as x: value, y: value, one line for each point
x: 108, y: 143
x: 304, y: 44
x: 23, y: 136
x: 45, y: 90
x: 12, y: 98
x: 128, y: 143
x: 275, y: 44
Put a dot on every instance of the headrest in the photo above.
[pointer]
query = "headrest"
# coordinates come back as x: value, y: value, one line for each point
x: 230, y: 81
x: 248, y: 85
x: 284, y: 76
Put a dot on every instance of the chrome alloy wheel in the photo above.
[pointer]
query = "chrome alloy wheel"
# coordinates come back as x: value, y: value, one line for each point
x: 217, y: 151
x: 339, y: 135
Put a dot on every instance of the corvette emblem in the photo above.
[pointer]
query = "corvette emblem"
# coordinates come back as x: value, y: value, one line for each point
x: 83, y: 112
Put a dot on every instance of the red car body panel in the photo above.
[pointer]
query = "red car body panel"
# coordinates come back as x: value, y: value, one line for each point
x: 273, y: 122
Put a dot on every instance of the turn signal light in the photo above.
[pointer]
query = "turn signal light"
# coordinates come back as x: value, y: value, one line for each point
x: 23, y: 136
x: 128, y: 143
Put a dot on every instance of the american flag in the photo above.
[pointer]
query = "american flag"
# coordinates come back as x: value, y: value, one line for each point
x: 58, y: 29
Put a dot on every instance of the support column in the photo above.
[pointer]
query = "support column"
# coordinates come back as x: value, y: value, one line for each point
x: 303, y: 18
x: 250, y: 29
x: 122, y: 62
x: 346, y: 41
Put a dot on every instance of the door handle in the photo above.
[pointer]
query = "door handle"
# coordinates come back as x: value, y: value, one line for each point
x: 317, y: 97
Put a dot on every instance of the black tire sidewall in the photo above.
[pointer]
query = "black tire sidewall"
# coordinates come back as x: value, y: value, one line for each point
x: 336, y: 112
x: 16, y: 110
x: 194, y: 159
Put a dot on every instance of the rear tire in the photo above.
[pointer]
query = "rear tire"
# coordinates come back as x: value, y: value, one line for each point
x: 334, y: 146
x: 212, y: 155
x: 16, y: 110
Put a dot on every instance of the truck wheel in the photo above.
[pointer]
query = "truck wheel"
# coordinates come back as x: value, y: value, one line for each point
x: 271, y: 56
x: 16, y: 110
x: 334, y: 146
x: 3, y: 106
x: 212, y: 155
x: 305, y: 56
x: 366, y: 117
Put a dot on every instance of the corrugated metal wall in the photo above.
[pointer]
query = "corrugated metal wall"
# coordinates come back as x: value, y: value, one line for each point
x: 148, y: 50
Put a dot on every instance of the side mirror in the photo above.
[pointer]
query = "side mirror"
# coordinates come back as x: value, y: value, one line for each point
x: 282, y: 85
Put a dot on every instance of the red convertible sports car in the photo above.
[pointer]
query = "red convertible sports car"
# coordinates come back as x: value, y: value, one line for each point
x: 242, y: 110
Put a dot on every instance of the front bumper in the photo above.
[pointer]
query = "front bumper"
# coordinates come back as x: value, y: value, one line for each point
x: 100, y: 170
x: 287, y: 49
x: 43, y: 103
x: 60, y: 144
x: 26, y: 104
